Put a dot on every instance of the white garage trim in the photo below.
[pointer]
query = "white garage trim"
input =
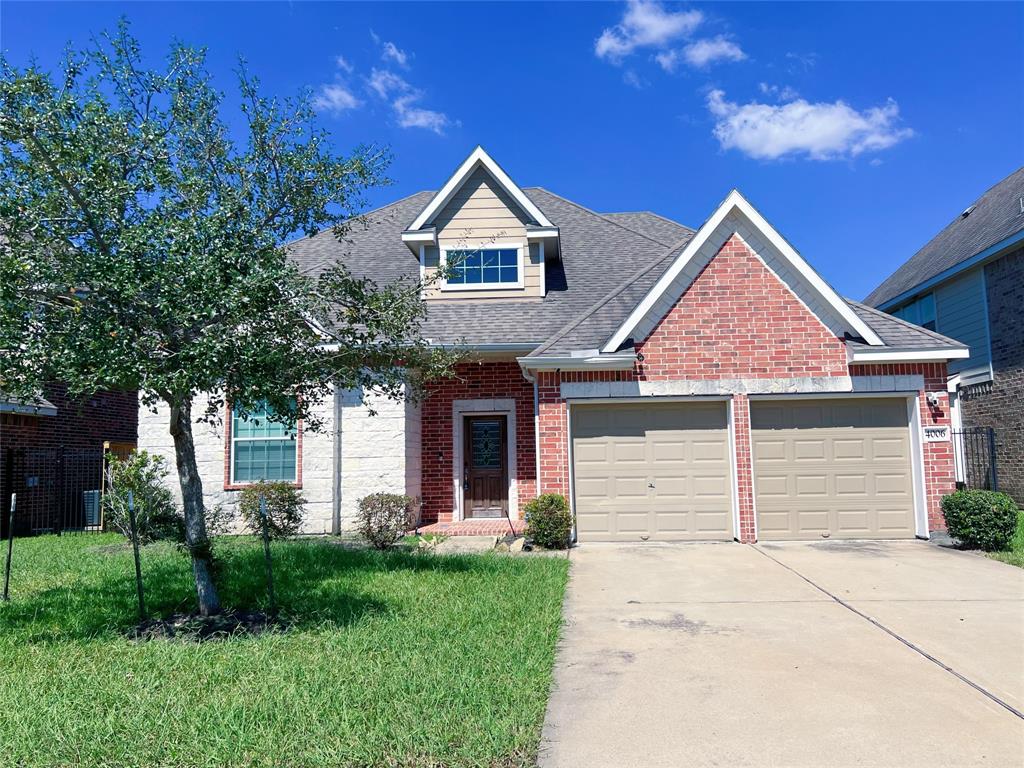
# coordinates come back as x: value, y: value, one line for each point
x: 917, y: 468
x: 730, y: 415
x: 488, y: 407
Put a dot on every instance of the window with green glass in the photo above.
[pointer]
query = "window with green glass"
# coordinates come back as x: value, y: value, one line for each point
x: 261, y: 449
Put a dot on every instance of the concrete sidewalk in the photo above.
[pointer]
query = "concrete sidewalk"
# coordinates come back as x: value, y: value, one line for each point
x: 725, y: 654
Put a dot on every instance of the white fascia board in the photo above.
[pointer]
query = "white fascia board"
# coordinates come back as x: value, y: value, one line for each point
x: 428, y: 236
x: 938, y: 355
x: 478, y: 157
x: 541, y: 233
x: 579, y: 363
x: 736, y: 201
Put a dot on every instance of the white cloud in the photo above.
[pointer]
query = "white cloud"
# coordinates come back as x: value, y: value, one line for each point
x: 391, y: 52
x: 668, y: 60
x: 404, y: 100
x: 703, y: 53
x: 785, y: 93
x: 384, y: 82
x: 630, y: 77
x: 343, y: 64
x: 821, y: 131
x: 335, y: 99
x: 645, y: 24
x: 411, y: 116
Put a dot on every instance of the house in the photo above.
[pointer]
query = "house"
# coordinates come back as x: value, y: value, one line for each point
x: 673, y: 384
x: 51, y: 456
x: 967, y: 283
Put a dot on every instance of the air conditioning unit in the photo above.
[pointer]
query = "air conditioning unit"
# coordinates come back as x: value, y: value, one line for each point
x: 91, y: 508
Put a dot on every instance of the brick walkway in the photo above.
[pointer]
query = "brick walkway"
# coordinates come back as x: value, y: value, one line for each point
x: 497, y: 526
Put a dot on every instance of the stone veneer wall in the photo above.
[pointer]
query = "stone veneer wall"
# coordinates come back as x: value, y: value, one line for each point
x: 1000, y: 403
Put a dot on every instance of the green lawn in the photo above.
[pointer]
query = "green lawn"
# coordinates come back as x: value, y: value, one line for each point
x: 1015, y: 554
x: 393, y: 659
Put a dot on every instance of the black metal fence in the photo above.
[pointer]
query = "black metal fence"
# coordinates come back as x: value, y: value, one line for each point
x: 58, y: 489
x: 974, y: 451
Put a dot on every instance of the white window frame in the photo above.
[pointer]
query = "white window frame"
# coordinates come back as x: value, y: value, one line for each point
x: 520, y: 267
x: 235, y: 439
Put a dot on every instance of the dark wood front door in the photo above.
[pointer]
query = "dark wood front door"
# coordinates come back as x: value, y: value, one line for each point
x: 485, y: 466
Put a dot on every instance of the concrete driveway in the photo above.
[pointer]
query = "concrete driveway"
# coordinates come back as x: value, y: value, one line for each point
x: 802, y: 654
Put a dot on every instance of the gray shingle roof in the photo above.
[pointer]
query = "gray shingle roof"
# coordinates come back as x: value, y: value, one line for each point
x: 608, y: 263
x: 899, y: 334
x: 651, y: 224
x: 598, y: 255
x: 996, y: 216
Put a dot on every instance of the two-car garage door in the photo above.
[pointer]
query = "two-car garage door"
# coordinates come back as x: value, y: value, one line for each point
x: 836, y: 468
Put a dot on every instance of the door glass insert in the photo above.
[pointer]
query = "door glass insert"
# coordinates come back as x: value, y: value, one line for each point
x: 485, y: 439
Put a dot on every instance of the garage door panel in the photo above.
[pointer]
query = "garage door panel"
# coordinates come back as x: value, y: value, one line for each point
x: 836, y: 468
x: 664, y: 471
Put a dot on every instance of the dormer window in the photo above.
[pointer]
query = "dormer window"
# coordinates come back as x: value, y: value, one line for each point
x: 498, y: 267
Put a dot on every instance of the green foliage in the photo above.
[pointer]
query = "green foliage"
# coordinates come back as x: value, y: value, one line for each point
x: 384, y: 518
x: 980, y: 519
x: 144, y: 475
x: 285, y: 508
x: 374, y: 641
x: 142, y: 247
x: 548, y: 521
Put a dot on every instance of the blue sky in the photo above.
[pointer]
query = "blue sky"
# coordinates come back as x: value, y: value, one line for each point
x: 858, y: 129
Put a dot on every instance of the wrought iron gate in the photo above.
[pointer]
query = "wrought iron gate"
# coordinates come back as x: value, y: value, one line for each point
x: 58, y: 489
x: 974, y: 451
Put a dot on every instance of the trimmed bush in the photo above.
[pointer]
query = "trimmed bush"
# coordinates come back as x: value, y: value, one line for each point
x: 285, y: 508
x: 157, y: 518
x: 980, y: 519
x: 384, y: 518
x: 548, y: 522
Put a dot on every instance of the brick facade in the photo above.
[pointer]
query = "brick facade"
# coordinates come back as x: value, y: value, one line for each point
x: 483, y: 380
x: 739, y: 321
x: 1000, y: 403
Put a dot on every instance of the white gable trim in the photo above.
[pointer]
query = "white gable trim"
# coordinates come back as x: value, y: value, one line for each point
x: 477, y: 158
x: 736, y: 202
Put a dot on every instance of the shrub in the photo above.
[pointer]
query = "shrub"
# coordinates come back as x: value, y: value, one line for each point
x: 384, y: 518
x: 980, y: 519
x: 548, y: 522
x: 156, y: 515
x: 285, y: 508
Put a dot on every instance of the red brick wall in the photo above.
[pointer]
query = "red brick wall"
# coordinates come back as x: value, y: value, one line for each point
x: 738, y: 320
x: 939, y: 476
x: 473, y: 381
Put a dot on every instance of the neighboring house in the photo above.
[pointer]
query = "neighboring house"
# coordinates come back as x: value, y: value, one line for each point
x: 51, y: 456
x: 968, y: 283
x: 673, y: 384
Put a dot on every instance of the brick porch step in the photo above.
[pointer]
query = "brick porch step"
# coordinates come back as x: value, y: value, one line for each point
x: 497, y: 526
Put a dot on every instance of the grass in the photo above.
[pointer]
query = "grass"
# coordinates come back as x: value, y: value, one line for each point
x: 1015, y: 554
x: 393, y: 659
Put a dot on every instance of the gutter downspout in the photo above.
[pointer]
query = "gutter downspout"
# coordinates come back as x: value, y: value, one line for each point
x: 336, y: 516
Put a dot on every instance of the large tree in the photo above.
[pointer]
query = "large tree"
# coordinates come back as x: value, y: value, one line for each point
x: 141, y: 247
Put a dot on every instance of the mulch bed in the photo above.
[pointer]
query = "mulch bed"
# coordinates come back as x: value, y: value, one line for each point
x: 193, y: 627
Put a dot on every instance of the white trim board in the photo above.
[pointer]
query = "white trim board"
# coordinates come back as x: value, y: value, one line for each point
x: 477, y: 158
x: 757, y: 233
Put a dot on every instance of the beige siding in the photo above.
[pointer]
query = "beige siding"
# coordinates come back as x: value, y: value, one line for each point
x: 481, y: 214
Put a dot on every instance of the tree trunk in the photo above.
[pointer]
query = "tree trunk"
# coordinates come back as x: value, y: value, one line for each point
x: 192, y: 500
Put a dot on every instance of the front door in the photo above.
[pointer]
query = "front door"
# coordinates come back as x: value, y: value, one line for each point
x: 485, y: 466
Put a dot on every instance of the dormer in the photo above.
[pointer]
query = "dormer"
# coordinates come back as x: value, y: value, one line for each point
x: 485, y: 226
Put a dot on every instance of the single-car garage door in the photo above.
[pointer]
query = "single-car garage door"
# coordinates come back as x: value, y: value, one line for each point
x: 658, y: 471
x: 832, y: 468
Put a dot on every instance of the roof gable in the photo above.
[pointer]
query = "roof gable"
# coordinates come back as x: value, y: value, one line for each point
x: 478, y: 159
x: 736, y: 216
